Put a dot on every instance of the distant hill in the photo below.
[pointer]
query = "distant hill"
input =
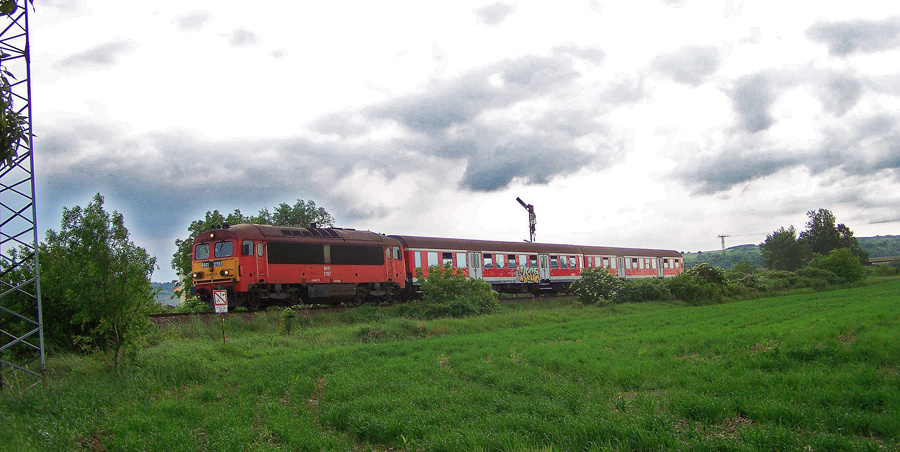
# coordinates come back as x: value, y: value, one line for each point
x: 879, y: 246
x: 166, y: 294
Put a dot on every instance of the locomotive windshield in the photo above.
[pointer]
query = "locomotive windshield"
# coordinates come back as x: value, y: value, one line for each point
x: 202, y: 251
x: 224, y: 249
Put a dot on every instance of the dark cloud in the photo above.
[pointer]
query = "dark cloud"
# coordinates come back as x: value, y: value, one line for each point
x: 719, y: 173
x: 494, y: 14
x: 752, y: 96
x: 857, y: 36
x: 690, y: 65
x: 193, y: 21
x: 242, y: 37
x: 103, y: 55
x: 852, y: 149
x: 840, y: 93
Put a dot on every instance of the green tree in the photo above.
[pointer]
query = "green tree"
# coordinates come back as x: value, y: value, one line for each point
x: 842, y: 262
x: 300, y: 215
x: 823, y: 234
x: 91, y: 269
x: 782, y: 250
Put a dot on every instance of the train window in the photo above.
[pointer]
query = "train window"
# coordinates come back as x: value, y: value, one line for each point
x: 573, y: 262
x: 500, y: 263
x: 246, y: 248
x: 488, y: 260
x: 461, y: 260
x: 433, y: 259
x: 397, y: 255
x: 554, y: 262
x: 224, y: 249
x: 532, y: 261
x: 665, y: 263
x: 653, y: 263
x: 563, y: 262
x: 418, y: 256
x: 634, y: 262
x: 447, y: 259
x: 523, y: 260
x: 677, y: 263
x: 510, y: 261
x: 202, y: 251
x: 260, y: 247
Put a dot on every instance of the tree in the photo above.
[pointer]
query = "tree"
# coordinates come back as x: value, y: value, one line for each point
x: 782, y: 250
x: 302, y: 214
x: 842, y: 262
x: 822, y: 235
x: 92, y: 270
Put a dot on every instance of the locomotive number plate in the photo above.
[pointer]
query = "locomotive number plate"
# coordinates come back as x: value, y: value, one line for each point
x: 211, y: 264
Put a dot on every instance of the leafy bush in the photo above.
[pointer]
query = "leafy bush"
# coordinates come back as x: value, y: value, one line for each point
x: 597, y: 286
x: 192, y: 305
x: 883, y: 270
x: 449, y: 293
x: 640, y: 290
x: 691, y: 288
x: 841, y: 262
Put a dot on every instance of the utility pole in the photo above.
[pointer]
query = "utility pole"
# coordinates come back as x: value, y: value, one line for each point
x: 532, y: 220
x: 724, y: 261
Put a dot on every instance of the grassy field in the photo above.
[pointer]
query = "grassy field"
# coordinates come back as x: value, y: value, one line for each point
x: 813, y: 372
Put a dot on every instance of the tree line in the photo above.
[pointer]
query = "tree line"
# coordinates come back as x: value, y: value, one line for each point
x: 823, y: 240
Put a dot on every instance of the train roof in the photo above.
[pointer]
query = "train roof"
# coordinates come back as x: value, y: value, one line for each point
x: 525, y: 247
x: 262, y: 231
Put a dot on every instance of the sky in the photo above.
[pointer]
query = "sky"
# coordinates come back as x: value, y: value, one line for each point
x: 652, y: 124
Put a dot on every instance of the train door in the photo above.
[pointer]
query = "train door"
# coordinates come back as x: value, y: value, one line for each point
x: 474, y: 265
x: 389, y: 262
x: 262, y: 262
x: 544, y: 266
x: 621, y: 266
x: 659, y: 267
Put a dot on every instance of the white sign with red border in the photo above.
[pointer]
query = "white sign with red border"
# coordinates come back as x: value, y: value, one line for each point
x: 220, y: 300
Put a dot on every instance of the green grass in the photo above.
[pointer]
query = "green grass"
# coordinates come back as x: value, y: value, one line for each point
x: 816, y: 371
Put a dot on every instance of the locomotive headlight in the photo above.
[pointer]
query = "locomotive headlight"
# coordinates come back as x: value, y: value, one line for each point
x: 197, y: 275
x: 225, y: 272
x: 212, y: 235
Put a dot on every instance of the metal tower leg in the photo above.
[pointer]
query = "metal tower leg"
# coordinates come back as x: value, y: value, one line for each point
x: 22, y: 363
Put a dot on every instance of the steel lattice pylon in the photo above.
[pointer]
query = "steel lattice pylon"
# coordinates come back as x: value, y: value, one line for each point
x: 22, y: 362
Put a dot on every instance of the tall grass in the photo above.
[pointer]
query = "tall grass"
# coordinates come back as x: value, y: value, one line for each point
x: 816, y: 371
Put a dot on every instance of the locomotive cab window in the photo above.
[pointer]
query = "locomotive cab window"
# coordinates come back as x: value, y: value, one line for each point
x: 397, y: 255
x: 201, y: 251
x: 224, y: 249
x: 260, y: 248
x: 247, y: 248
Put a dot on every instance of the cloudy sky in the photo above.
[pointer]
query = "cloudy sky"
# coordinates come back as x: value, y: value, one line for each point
x: 656, y: 123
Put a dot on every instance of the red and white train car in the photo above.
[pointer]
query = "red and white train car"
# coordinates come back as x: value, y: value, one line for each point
x: 525, y: 266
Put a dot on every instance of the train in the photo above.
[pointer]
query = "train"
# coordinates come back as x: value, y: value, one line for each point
x: 259, y: 265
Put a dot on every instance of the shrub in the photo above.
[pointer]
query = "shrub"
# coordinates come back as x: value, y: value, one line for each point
x: 449, y: 293
x: 597, y: 286
x: 691, y: 288
x: 883, y: 270
x: 643, y: 290
x: 841, y: 262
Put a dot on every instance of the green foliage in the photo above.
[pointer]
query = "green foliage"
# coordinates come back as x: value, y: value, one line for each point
x: 641, y: 290
x: 842, y: 262
x: 781, y: 250
x: 449, y: 293
x: 597, y: 286
x: 301, y: 214
x: 13, y: 126
x: 822, y: 236
x: 93, y: 273
x: 881, y: 246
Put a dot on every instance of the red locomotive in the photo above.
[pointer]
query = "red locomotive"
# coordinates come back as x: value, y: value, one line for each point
x: 259, y: 264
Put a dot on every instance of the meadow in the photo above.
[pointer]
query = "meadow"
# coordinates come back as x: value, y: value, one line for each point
x: 814, y: 371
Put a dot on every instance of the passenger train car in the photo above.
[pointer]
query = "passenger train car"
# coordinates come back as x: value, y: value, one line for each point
x: 260, y: 264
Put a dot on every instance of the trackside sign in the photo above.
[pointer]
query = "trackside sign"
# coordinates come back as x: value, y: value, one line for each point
x: 220, y: 300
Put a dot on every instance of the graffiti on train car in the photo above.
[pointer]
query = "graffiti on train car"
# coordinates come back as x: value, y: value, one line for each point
x: 527, y: 275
